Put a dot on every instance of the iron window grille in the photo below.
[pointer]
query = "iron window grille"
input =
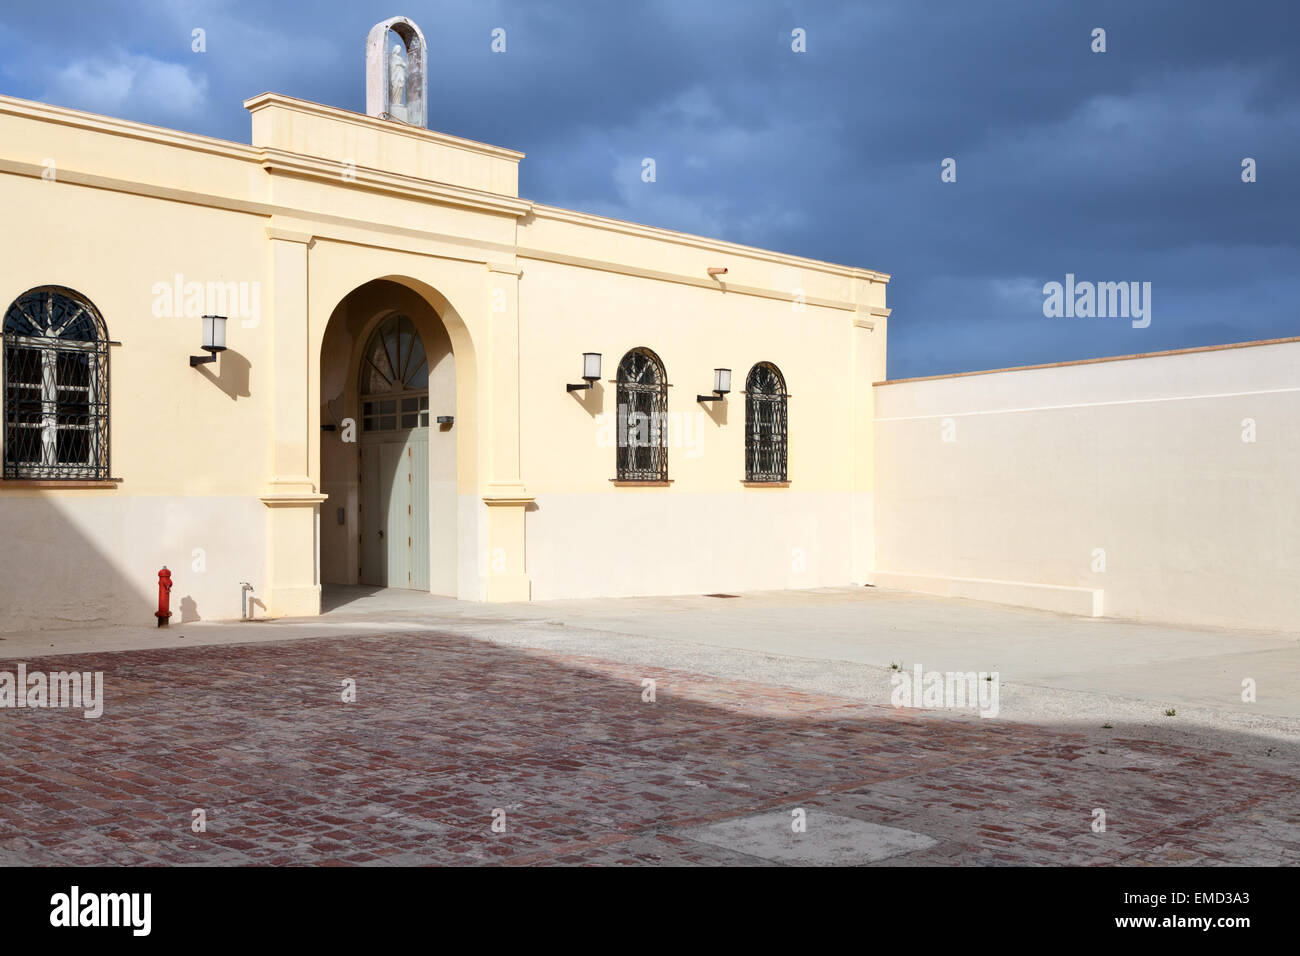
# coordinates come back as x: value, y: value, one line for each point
x: 765, y: 424
x: 394, y: 378
x: 55, y: 387
x: 642, y: 453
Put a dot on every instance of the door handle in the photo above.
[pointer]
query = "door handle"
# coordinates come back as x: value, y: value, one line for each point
x: 381, y: 534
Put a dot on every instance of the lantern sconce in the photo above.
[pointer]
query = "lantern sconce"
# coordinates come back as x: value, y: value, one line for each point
x: 721, y: 386
x: 214, y: 340
x: 590, y: 371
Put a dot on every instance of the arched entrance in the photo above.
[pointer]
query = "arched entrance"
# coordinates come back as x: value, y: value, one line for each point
x: 393, y: 388
x: 388, y: 374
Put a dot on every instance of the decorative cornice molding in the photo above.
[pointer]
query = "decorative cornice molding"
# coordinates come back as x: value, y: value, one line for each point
x: 542, y: 211
x: 268, y: 210
x: 72, y: 177
x: 44, y: 112
x: 781, y: 295
x: 292, y: 501
x: 380, y: 125
x: 289, y: 235
x: 323, y: 170
x: 506, y: 493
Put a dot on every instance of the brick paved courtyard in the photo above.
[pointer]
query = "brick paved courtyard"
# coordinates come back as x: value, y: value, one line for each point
x: 447, y: 729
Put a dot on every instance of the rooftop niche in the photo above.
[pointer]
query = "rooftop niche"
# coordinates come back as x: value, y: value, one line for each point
x: 396, y: 83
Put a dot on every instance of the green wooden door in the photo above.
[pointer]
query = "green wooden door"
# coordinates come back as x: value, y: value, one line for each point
x: 395, y: 512
x: 417, y: 560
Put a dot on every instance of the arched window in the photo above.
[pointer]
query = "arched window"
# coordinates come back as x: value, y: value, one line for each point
x: 55, y: 387
x: 394, y: 378
x: 642, y: 422
x: 765, y: 424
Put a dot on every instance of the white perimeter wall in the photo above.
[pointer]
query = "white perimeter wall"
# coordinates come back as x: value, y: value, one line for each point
x: 1143, y: 458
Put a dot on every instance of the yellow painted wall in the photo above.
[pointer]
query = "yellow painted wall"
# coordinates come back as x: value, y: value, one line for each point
x: 230, y: 457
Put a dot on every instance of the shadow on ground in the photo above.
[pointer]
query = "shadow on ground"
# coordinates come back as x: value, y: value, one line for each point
x: 447, y: 732
x: 339, y: 597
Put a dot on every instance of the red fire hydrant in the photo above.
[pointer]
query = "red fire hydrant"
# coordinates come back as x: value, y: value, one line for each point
x: 164, y: 596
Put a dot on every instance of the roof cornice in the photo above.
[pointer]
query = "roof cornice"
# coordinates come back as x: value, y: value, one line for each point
x: 62, y: 116
x: 390, y: 127
x: 309, y: 167
x: 542, y: 211
x: 321, y: 170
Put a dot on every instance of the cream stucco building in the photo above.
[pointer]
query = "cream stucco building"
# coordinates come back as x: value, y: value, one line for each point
x: 377, y: 277
x: 409, y: 397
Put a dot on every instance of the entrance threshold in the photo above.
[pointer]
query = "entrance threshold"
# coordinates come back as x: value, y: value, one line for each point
x: 370, y: 599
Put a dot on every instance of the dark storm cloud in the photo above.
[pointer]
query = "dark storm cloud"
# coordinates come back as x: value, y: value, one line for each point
x: 1122, y: 166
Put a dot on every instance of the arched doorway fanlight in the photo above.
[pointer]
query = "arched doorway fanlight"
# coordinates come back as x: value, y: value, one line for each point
x: 394, y: 378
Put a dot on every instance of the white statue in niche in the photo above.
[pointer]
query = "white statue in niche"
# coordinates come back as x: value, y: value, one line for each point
x: 396, y: 84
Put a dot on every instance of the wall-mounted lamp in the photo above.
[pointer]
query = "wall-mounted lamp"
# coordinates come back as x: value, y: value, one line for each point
x: 721, y: 386
x: 590, y: 371
x: 716, y: 271
x: 214, y: 339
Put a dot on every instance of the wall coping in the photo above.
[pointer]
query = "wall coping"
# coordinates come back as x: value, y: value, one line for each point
x: 1095, y: 361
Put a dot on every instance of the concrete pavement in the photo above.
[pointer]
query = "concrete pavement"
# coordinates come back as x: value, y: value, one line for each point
x: 1199, y: 670
x: 462, y: 750
x: 768, y: 708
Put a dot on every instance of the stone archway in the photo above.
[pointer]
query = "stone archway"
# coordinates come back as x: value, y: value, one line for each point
x: 490, y: 496
x: 393, y: 474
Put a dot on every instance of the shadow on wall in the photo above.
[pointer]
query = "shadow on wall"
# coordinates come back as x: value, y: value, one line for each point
x: 234, y: 376
x: 56, y: 575
x: 591, y: 399
x: 717, y: 411
x: 93, y: 558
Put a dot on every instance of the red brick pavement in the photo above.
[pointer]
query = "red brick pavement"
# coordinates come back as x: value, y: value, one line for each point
x: 445, y: 730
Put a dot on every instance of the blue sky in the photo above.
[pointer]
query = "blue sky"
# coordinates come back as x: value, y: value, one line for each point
x: 1116, y: 166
